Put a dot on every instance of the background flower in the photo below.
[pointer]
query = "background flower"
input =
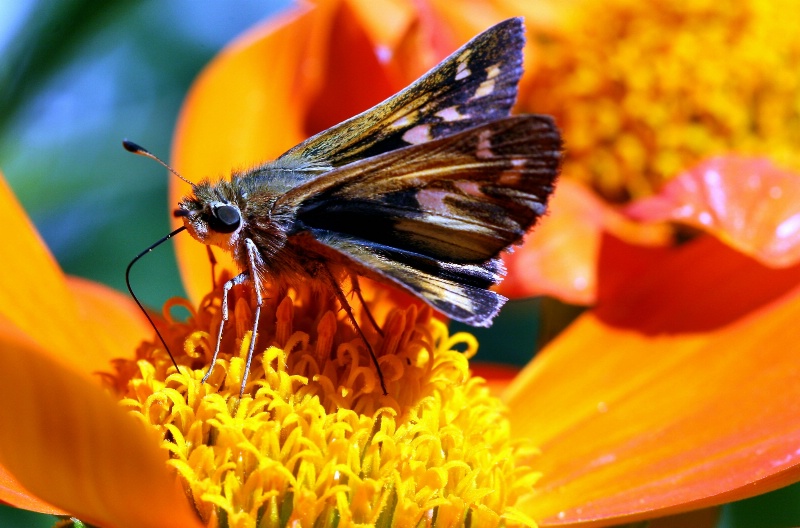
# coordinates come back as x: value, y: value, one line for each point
x: 646, y: 89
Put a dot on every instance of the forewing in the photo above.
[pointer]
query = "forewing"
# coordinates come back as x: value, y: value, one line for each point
x: 460, y: 199
x: 474, y: 85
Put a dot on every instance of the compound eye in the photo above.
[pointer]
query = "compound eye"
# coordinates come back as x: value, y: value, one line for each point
x: 225, y: 218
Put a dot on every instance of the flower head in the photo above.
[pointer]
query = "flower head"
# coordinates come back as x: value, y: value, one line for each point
x: 314, y: 438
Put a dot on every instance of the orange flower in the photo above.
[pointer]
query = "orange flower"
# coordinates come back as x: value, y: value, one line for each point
x: 292, y: 110
x: 677, y: 392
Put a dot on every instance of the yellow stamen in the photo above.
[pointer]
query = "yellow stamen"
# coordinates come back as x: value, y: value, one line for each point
x: 644, y: 90
x: 314, y: 441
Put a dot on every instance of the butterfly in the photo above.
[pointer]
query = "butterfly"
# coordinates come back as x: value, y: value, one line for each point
x: 423, y: 191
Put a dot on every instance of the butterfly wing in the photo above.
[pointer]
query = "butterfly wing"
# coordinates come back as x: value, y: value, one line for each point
x: 458, y: 290
x: 474, y: 85
x: 434, y: 217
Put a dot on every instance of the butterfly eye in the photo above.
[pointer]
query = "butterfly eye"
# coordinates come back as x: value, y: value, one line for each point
x: 225, y: 218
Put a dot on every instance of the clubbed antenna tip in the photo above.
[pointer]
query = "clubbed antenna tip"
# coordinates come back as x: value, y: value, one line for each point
x: 130, y: 146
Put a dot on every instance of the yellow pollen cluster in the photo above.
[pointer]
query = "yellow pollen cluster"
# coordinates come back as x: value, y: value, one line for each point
x: 314, y: 441
x: 643, y: 90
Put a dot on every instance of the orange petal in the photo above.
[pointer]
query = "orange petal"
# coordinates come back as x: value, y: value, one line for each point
x: 409, y: 38
x: 12, y: 492
x: 113, y: 320
x: 71, y: 445
x: 748, y: 202
x: 351, y: 76
x: 34, y: 296
x: 681, y: 394
x: 386, y: 21
x: 560, y: 257
x: 428, y: 39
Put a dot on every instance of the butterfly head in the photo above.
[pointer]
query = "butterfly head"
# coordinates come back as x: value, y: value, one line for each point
x: 211, y: 216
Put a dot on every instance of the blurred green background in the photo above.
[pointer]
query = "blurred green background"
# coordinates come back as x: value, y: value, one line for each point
x: 79, y: 76
x: 76, y: 77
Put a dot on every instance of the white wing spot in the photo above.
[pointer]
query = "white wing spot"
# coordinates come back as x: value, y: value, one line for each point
x: 450, y: 114
x: 484, y: 145
x: 493, y: 71
x: 418, y: 134
x: 455, y: 223
x: 484, y: 89
x: 401, y: 122
x: 462, y: 72
x: 432, y: 201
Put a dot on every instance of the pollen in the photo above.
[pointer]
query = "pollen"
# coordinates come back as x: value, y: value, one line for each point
x: 314, y: 441
x: 644, y: 90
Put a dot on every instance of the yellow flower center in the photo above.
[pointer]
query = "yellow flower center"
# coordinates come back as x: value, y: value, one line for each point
x: 643, y: 90
x: 314, y: 441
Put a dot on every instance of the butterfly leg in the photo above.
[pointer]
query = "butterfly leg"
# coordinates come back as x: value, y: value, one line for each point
x: 357, y: 291
x: 239, y: 279
x: 253, y: 255
x: 342, y: 298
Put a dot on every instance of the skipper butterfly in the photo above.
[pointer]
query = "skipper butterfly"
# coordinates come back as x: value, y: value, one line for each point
x: 422, y: 191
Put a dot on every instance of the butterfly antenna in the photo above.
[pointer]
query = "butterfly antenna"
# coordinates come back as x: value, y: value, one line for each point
x: 128, y: 283
x: 130, y: 146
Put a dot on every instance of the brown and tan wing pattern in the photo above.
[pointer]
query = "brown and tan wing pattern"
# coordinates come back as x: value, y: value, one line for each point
x: 474, y: 85
x: 434, y: 217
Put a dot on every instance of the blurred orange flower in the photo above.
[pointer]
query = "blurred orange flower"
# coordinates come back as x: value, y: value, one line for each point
x: 677, y: 391
x: 644, y: 90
